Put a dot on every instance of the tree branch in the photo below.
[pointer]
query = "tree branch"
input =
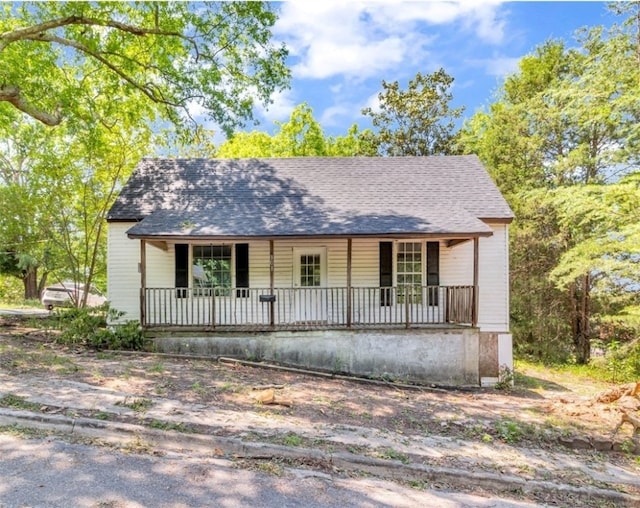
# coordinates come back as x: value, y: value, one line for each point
x: 12, y: 95
x: 155, y: 96
x: 28, y: 33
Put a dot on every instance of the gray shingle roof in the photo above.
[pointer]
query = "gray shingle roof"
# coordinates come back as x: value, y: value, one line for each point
x: 309, y: 196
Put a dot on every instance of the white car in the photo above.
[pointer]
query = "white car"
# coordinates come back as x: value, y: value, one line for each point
x: 67, y: 294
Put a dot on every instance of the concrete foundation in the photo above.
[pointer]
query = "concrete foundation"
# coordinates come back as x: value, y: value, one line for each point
x: 434, y: 356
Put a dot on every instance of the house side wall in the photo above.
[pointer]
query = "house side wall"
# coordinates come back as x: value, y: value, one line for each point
x: 123, y: 279
x: 493, y: 274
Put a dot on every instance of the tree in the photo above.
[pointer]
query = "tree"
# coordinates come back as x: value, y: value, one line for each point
x: 416, y: 121
x: 176, y: 55
x: 567, y: 125
x: 25, y: 201
x: 56, y: 186
x: 301, y: 136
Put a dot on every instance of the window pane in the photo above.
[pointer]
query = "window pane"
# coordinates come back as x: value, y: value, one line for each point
x: 409, y: 272
x: 211, y: 269
x: 310, y: 270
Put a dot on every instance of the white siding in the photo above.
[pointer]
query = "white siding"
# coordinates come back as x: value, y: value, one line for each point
x: 365, y: 262
x: 259, y: 264
x: 456, y: 264
x: 283, y: 261
x: 493, y: 315
x: 123, y: 279
x: 456, y: 268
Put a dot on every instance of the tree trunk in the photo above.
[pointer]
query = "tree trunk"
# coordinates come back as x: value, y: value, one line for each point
x: 582, y: 319
x: 43, y: 282
x: 30, y: 281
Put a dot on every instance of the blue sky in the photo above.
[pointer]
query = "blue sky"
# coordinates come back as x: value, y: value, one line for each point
x: 340, y: 51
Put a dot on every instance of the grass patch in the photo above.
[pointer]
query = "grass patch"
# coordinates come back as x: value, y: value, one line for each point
x: 138, y: 405
x: 293, y: 440
x: 391, y: 454
x: 200, y: 390
x: 17, y: 402
x: 508, y: 431
x: 24, y: 432
x: 106, y: 355
x: 549, y: 377
x: 161, y: 425
x: 157, y: 368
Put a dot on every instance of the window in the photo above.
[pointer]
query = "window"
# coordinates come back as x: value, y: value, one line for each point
x: 405, y: 266
x: 211, y: 270
x: 310, y: 270
x: 409, y: 272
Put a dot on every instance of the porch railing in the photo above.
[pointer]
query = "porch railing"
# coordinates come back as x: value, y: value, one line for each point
x: 308, y: 308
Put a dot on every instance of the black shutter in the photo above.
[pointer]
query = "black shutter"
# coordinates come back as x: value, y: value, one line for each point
x: 182, y: 269
x: 242, y: 269
x: 433, y: 271
x: 386, y: 272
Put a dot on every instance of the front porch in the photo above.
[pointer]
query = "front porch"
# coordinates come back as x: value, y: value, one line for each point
x: 266, y: 309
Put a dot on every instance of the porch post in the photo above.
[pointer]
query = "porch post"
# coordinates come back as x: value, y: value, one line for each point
x: 349, y: 296
x: 474, y: 308
x: 271, y: 282
x: 143, y: 282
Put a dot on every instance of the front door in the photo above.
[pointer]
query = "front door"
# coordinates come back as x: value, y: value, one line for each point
x: 310, y: 283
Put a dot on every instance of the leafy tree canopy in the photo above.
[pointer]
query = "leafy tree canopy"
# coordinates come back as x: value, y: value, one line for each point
x: 567, y: 125
x: 418, y: 120
x: 301, y: 136
x: 60, y: 60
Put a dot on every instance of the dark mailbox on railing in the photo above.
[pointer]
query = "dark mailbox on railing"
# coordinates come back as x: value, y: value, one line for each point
x: 267, y: 298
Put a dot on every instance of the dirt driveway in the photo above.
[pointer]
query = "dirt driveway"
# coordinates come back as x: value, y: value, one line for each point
x: 539, y: 413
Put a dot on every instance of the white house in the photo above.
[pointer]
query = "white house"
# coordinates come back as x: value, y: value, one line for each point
x: 385, y: 267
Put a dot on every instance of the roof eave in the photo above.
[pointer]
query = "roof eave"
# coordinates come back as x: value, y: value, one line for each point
x: 407, y: 235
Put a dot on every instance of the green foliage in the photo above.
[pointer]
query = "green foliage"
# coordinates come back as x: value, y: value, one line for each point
x: 18, y: 402
x: 57, y: 186
x: 505, y: 379
x: 11, y: 290
x: 301, y: 136
x: 418, y: 120
x: 509, y: 431
x: 88, y: 327
x: 139, y: 405
x: 80, y: 60
x: 622, y: 361
x: 559, y: 140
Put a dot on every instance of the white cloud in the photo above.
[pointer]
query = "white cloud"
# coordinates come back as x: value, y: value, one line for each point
x: 373, y: 102
x: 361, y: 39
x: 499, y: 66
x: 334, y: 116
x: 280, y: 110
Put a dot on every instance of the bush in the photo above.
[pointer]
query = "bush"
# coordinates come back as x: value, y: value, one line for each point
x: 11, y: 289
x: 88, y: 327
x: 623, y: 361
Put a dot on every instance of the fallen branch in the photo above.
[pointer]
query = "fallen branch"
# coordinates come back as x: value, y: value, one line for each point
x: 269, y: 397
x: 266, y: 387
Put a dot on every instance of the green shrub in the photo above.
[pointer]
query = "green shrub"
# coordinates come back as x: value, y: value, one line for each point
x: 88, y: 327
x: 623, y: 361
